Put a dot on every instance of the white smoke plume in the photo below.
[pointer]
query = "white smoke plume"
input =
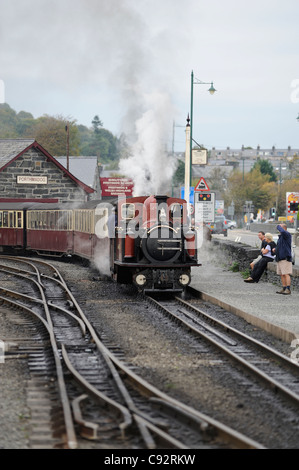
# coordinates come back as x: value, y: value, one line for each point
x: 150, y: 166
x: 126, y: 51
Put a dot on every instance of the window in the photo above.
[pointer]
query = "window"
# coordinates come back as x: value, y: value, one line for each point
x: 50, y: 220
x: 176, y: 211
x: 128, y: 211
x: 84, y: 221
x: 11, y: 219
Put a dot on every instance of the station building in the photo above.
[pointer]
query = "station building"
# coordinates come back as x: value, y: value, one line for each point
x: 28, y: 173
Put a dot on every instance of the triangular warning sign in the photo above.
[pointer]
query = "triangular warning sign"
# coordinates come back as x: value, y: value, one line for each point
x: 202, y: 185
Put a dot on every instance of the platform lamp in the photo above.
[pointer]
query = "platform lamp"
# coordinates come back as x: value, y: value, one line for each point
x: 211, y: 90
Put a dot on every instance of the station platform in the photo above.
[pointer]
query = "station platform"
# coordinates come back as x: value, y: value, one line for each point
x: 257, y: 303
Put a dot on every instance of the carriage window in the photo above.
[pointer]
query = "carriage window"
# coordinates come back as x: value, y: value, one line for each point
x: 19, y: 219
x: 128, y: 211
x: 50, y: 220
x: 83, y: 221
x: 5, y: 219
x: 10, y: 220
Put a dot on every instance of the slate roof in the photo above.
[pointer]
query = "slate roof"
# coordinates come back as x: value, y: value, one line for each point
x: 84, y: 168
x: 11, y: 149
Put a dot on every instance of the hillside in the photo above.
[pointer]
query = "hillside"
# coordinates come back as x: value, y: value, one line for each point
x: 50, y: 132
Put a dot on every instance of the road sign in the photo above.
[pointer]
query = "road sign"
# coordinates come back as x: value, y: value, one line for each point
x: 204, y: 207
x: 199, y: 156
x: 116, y: 187
x: 202, y: 185
x: 191, y: 194
x: 292, y: 202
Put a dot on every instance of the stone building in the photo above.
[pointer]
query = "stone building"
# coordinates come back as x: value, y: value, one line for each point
x: 28, y: 172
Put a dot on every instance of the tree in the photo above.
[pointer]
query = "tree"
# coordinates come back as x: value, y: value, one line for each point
x: 255, y: 187
x: 100, y: 142
x: 8, y: 120
x: 265, y: 168
x: 218, y: 180
x: 96, y: 123
x: 179, y: 175
x: 50, y: 132
x: 25, y: 123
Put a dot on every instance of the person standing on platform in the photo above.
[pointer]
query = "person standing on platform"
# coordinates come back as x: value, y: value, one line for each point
x: 283, y: 254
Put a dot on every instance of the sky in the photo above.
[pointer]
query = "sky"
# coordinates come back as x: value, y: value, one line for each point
x: 130, y: 63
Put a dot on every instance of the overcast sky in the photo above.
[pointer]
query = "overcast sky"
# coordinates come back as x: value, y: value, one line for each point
x: 131, y: 61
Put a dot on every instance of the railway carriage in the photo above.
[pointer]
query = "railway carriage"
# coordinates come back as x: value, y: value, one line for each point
x: 49, y: 230
x: 91, y: 238
x: 12, y: 227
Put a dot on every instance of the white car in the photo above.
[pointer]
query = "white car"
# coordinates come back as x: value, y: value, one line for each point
x: 231, y: 224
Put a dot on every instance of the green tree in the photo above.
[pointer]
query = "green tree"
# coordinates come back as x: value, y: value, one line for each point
x: 50, y: 132
x: 25, y: 124
x: 179, y: 175
x: 100, y: 142
x: 8, y: 120
x: 255, y: 187
x: 266, y: 168
x: 96, y: 123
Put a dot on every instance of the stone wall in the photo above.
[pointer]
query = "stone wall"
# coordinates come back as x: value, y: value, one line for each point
x: 35, y: 163
x: 242, y: 255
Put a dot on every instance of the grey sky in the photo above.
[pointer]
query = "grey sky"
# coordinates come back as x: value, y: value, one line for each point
x: 121, y: 59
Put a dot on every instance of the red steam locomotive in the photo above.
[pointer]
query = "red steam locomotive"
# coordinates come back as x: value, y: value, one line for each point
x: 141, y: 240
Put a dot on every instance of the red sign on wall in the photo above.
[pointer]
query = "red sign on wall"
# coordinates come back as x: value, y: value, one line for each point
x: 116, y: 187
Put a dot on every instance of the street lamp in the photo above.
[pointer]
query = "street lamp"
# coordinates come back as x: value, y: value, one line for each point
x: 211, y: 90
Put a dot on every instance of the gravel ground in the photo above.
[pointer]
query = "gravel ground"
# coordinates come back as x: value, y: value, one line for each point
x: 14, y: 413
x: 152, y: 344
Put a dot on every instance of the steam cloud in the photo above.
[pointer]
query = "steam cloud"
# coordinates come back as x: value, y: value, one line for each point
x: 127, y: 48
x: 150, y: 167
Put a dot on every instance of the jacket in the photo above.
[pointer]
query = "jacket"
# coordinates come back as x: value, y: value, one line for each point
x: 284, y: 245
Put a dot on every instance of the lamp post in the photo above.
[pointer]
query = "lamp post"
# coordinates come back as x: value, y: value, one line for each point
x: 211, y: 90
x: 187, y: 165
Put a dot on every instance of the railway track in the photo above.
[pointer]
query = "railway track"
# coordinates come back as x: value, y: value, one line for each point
x: 101, y: 397
x: 276, y: 370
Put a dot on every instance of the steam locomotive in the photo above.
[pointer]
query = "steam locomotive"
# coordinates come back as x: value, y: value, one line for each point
x: 145, y: 241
